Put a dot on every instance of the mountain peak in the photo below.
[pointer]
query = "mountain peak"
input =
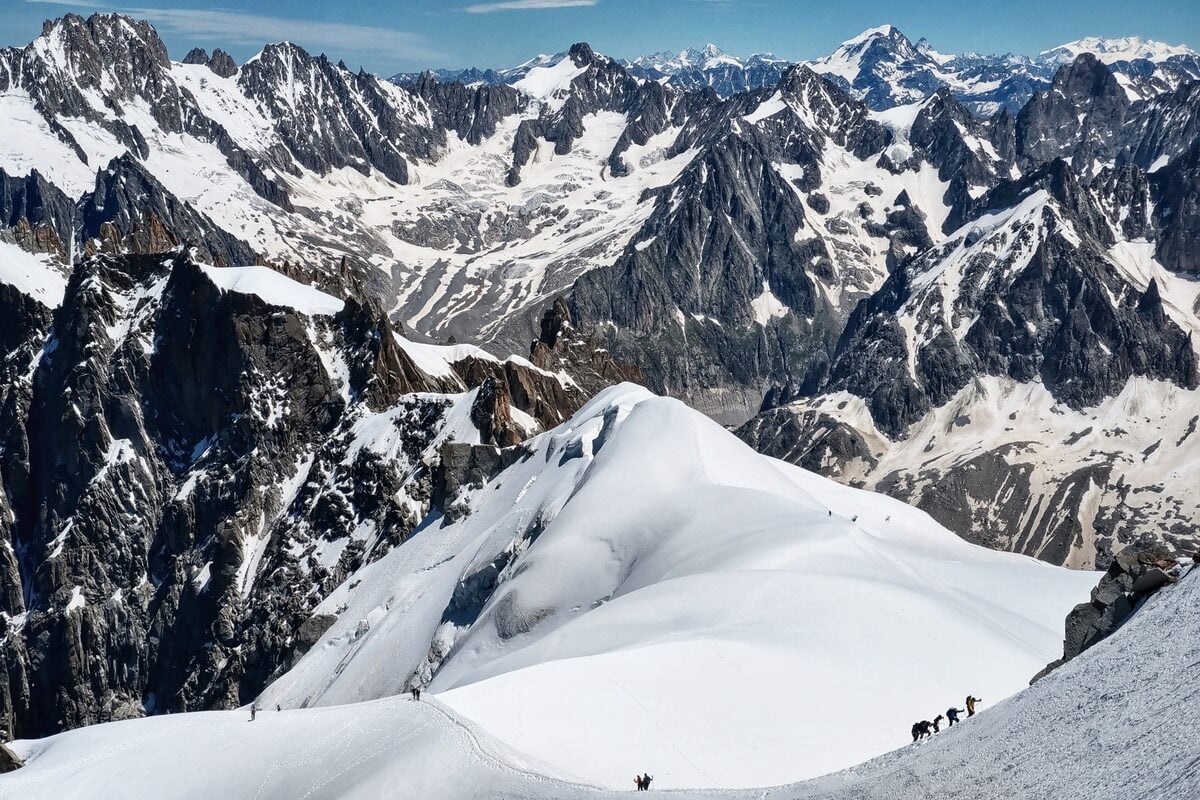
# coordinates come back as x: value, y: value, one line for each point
x: 281, y: 51
x: 581, y: 53
x: 709, y: 50
x: 1113, y: 50
x: 706, y: 57
x: 709, y: 67
x: 104, y: 37
x: 886, y: 31
x: 883, y: 43
x: 197, y: 55
x: 1086, y: 72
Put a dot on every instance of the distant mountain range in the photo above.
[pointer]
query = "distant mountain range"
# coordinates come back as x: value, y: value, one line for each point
x: 993, y: 319
x: 884, y: 68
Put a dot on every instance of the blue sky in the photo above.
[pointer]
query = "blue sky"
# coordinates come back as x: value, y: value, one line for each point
x: 397, y: 35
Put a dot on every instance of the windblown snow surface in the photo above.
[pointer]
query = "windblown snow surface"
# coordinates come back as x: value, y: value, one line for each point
x: 640, y: 592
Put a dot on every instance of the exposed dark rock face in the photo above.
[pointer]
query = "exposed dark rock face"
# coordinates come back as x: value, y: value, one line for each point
x: 880, y: 57
x: 1069, y: 120
x: 602, y: 85
x: 130, y: 211
x: 727, y: 233
x: 9, y: 760
x: 466, y: 77
x: 1177, y: 211
x: 1137, y: 572
x: 222, y: 64
x: 461, y: 466
x: 492, y: 415
x: 370, y: 132
x: 812, y: 440
x: 541, y: 395
x: 561, y: 347
x: 945, y: 133
x: 1053, y: 321
x: 36, y: 215
x: 731, y: 224
x: 1167, y: 124
x: 1034, y: 298
x: 219, y: 62
x: 187, y: 472
x: 471, y: 113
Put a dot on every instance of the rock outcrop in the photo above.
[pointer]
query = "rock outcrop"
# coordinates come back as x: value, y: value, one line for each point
x: 1137, y: 572
x: 9, y: 760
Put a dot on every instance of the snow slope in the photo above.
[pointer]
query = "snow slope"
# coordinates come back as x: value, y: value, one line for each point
x: 1118, y: 721
x: 644, y: 591
x: 275, y: 288
x: 390, y: 748
x: 32, y: 274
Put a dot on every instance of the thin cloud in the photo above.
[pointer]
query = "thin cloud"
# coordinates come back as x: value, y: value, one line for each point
x: 238, y: 28
x: 527, y: 5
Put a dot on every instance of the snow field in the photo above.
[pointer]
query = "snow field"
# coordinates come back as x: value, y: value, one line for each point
x: 719, y: 625
x: 1116, y: 722
x: 274, y: 288
x: 32, y: 274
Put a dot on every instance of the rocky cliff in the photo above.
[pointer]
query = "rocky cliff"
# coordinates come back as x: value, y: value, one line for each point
x: 193, y: 458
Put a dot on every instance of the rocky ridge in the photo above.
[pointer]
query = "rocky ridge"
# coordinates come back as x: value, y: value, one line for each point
x: 747, y: 253
x: 193, y: 457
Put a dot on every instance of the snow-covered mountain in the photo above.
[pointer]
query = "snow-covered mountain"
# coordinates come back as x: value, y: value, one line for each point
x: 534, y: 604
x: 716, y: 576
x: 708, y: 67
x: 719, y: 245
x: 1132, y: 697
x: 884, y: 68
x: 195, y: 456
x: 474, y: 76
x: 1026, y: 376
x: 234, y: 273
x: 1116, y: 50
x: 691, y: 69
